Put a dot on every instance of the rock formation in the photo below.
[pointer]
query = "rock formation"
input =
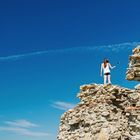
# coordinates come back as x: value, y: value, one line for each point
x: 133, y: 71
x: 105, y: 113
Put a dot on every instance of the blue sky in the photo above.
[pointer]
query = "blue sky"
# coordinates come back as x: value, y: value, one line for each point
x: 49, y: 48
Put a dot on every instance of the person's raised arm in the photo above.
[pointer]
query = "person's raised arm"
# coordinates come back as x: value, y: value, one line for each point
x: 112, y: 67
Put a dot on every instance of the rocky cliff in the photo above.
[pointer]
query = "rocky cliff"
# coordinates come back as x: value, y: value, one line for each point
x: 133, y: 71
x: 106, y: 112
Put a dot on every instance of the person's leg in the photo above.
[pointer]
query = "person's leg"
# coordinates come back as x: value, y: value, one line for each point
x: 105, y: 78
x: 109, y: 79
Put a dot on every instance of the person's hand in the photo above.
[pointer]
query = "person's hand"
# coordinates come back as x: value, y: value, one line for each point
x: 114, y: 67
x: 101, y: 74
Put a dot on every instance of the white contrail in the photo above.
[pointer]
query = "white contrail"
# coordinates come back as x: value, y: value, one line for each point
x: 111, y: 48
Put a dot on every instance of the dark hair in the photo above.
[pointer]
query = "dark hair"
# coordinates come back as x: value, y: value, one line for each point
x: 105, y: 62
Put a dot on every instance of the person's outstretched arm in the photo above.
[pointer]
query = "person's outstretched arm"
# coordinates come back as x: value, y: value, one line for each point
x: 112, y: 67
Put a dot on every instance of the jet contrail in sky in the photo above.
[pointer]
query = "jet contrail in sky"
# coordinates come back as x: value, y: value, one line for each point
x: 111, y: 48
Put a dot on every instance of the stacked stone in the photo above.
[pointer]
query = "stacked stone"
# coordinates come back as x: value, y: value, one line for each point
x: 105, y: 113
x: 133, y: 71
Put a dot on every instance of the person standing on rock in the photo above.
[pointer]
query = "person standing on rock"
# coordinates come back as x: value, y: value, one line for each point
x: 105, y: 66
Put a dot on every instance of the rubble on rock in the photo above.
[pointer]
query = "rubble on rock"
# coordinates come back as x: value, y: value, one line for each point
x: 133, y: 71
x: 106, y: 112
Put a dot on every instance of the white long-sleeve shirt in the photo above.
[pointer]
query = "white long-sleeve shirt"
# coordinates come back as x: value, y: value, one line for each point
x: 106, y: 69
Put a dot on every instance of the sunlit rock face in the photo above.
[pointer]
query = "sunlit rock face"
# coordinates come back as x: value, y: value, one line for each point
x: 105, y: 112
x: 133, y: 71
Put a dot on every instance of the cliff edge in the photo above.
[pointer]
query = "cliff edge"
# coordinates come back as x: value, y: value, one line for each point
x: 106, y: 112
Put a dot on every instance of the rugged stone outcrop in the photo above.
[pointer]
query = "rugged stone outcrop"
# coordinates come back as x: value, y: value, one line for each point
x: 106, y: 112
x: 133, y: 71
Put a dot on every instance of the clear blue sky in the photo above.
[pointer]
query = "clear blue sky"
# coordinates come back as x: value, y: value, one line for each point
x: 49, y: 48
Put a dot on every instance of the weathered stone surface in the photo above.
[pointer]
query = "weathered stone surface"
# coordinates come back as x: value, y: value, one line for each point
x: 106, y: 112
x: 133, y: 72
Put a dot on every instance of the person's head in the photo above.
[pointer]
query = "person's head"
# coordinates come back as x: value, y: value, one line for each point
x: 105, y: 62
